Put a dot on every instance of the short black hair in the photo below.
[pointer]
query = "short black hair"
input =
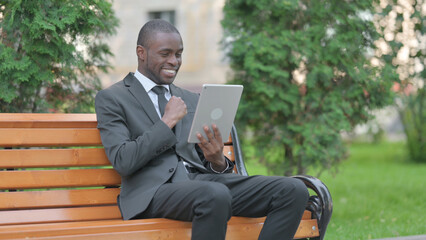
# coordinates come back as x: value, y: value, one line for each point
x: 153, y: 26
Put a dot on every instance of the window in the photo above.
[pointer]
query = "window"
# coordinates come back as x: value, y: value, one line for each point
x: 165, y: 15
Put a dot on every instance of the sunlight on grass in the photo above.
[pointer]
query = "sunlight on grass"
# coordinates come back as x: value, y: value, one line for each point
x: 377, y: 193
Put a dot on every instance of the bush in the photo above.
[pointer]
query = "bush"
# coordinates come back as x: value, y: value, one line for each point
x: 413, y: 117
x: 306, y: 75
x: 51, y: 52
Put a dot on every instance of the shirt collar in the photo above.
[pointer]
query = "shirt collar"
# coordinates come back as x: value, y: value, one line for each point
x: 147, y: 83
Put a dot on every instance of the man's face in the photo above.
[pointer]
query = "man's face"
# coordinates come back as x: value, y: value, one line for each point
x: 161, y: 59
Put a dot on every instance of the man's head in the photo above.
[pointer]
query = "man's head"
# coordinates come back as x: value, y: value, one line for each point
x: 159, y: 50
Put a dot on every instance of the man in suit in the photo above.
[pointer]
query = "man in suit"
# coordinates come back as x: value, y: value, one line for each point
x: 144, y: 121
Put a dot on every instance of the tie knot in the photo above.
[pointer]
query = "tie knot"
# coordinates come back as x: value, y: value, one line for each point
x: 159, y: 90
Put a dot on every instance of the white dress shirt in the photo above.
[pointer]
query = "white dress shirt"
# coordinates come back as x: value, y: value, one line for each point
x: 148, y: 84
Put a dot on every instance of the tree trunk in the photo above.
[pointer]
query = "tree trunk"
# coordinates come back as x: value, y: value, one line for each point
x: 289, y: 159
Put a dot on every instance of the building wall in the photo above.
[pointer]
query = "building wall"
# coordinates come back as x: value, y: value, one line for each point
x: 199, y: 24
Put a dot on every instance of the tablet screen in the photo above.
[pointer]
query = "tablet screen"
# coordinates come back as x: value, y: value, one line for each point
x: 218, y: 105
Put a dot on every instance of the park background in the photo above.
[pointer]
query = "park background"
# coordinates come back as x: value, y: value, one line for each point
x: 378, y: 190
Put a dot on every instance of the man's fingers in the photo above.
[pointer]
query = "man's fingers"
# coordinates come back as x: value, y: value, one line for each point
x: 202, y: 140
x: 209, y: 134
x: 204, y: 144
x: 217, y: 134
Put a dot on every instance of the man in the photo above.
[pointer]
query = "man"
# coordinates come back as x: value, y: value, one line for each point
x: 164, y: 176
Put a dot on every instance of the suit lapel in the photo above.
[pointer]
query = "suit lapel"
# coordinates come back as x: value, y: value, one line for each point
x: 136, y: 89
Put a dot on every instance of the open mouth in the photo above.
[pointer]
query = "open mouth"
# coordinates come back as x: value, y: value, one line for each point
x: 169, y: 72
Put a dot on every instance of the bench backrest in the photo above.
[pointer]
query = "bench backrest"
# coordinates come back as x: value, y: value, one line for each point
x: 53, y: 168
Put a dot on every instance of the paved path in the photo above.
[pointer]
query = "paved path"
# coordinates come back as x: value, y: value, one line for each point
x: 419, y: 237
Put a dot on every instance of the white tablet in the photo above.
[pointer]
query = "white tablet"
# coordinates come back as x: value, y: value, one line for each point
x: 218, y: 105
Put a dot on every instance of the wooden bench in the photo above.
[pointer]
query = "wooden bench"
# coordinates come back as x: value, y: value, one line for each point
x: 56, y: 182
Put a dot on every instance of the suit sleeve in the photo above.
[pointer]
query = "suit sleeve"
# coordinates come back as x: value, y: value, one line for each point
x: 128, y: 155
x: 207, y: 164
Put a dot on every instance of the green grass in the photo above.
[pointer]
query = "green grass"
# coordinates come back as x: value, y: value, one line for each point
x: 377, y: 193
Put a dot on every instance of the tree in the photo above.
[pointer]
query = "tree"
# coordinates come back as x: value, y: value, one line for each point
x: 402, y: 24
x: 51, y: 52
x: 307, y: 76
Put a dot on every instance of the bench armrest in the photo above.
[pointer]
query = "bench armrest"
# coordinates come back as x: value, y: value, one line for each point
x: 239, y: 161
x: 321, y: 205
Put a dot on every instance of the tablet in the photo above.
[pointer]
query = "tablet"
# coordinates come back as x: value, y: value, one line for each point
x: 218, y: 105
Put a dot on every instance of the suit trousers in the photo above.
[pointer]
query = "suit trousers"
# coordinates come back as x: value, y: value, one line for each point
x: 209, y: 201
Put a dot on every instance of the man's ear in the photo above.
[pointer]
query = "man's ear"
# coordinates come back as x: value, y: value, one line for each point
x: 140, y: 52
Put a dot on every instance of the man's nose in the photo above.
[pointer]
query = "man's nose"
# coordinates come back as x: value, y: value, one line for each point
x: 173, y: 60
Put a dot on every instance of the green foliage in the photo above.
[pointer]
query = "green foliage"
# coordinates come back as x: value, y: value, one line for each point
x: 414, y: 120
x: 307, y: 76
x: 50, y: 53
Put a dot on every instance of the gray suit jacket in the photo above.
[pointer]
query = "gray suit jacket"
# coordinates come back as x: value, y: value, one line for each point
x: 141, y: 147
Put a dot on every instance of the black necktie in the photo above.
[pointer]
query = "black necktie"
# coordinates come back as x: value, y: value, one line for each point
x: 162, y: 101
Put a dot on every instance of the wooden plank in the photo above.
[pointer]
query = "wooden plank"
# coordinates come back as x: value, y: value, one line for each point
x: 97, y: 225
x: 250, y: 229
x: 163, y: 234
x: 55, y: 215
x: 307, y: 228
x: 58, y: 178
x: 160, y: 234
x: 92, y: 227
x: 32, y: 137
x: 307, y: 215
x: 238, y: 228
x: 228, y: 151
x: 58, y: 198
x: 30, y: 158
x: 48, y: 120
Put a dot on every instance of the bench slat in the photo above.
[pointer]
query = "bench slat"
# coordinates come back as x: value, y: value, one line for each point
x: 58, y: 178
x: 54, y: 215
x: 228, y: 151
x: 49, y: 137
x: 250, y: 231
x: 106, y: 226
x: 59, y: 215
x: 58, y: 198
x: 142, y: 229
x: 47, y: 120
x: 30, y: 158
x: 307, y: 228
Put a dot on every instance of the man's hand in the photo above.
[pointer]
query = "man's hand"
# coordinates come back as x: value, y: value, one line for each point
x: 213, y: 148
x: 174, y: 112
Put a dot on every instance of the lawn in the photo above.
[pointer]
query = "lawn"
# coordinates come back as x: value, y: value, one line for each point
x: 376, y: 194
